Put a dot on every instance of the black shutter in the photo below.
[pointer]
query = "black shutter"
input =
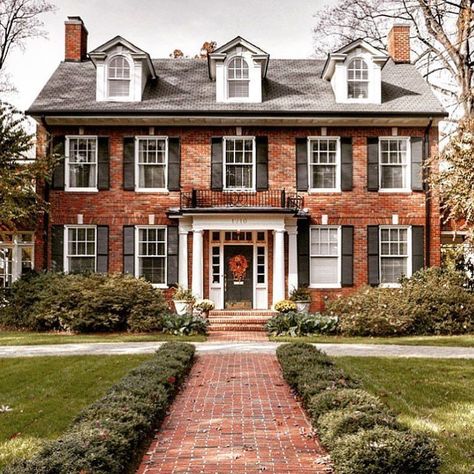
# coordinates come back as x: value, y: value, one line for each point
x: 417, y: 247
x: 129, y: 164
x: 303, y: 253
x: 347, y: 264
x: 302, y: 164
x: 372, y: 164
x: 346, y: 163
x: 103, y: 174
x: 102, y: 249
x: 262, y: 163
x: 59, y: 149
x: 217, y: 165
x: 174, y: 164
x: 129, y: 249
x: 373, y: 255
x: 57, y: 248
x: 416, y: 164
x: 172, y: 253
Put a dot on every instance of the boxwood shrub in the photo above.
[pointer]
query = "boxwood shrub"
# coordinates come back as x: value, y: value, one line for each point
x: 360, y: 432
x: 108, y: 436
x: 83, y: 303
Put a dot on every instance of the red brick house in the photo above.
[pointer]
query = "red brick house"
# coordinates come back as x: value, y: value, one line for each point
x: 240, y: 176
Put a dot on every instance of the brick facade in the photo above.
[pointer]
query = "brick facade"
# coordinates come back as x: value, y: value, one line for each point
x: 359, y: 207
x: 399, y: 43
x: 75, y: 40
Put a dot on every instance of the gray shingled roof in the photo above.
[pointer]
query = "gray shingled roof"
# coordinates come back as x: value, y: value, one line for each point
x: 292, y: 86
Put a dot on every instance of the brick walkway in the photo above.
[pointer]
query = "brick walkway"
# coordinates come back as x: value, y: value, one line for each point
x: 235, y: 414
x: 237, y: 336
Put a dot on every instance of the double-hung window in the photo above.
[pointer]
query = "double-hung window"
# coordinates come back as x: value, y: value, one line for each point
x: 324, y: 164
x: 394, y: 163
x: 16, y: 256
x: 394, y: 254
x: 151, y: 254
x: 238, y: 79
x: 81, y: 163
x: 239, y: 164
x: 358, y: 79
x: 119, y: 77
x: 325, y: 257
x: 152, y: 163
x: 80, y: 249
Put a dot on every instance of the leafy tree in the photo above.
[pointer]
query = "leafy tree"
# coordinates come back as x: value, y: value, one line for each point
x: 20, y: 202
x: 442, y: 41
x: 206, y: 48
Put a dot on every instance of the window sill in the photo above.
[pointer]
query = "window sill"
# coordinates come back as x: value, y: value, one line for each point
x: 152, y: 190
x: 160, y: 286
x: 238, y: 190
x: 325, y: 286
x: 390, y: 285
x: 395, y: 191
x: 81, y: 190
x: 324, y: 191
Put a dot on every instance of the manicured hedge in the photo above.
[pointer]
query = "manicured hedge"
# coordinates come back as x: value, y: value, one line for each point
x: 361, y: 433
x: 108, y: 436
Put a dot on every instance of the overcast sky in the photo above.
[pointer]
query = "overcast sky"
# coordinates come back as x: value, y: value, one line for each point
x: 283, y: 28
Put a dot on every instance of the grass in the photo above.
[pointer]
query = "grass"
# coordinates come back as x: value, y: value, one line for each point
x: 456, y: 341
x: 433, y: 396
x: 18, y: 338
x: 46, y: 393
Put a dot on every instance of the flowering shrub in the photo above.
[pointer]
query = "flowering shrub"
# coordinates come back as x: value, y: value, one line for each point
x: 285, y: 306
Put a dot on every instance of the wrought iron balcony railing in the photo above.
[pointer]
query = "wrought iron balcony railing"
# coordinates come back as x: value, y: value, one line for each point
x: 273, y: 199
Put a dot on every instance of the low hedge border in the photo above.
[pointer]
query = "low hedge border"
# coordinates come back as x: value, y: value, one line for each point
x: 108, y: 436
x: 360, y: 432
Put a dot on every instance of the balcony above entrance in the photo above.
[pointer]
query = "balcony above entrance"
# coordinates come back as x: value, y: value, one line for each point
x: 240, y: 201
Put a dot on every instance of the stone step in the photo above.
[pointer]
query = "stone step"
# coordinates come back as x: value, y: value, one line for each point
x: 238, y: 320
x: 244, y: 313
x: 237, y: 327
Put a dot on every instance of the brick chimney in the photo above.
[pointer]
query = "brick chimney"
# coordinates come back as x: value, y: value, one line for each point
x: 76, y: 39
x: 399, y: 43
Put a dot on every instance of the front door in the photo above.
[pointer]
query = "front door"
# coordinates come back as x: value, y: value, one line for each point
x: 238, y: 283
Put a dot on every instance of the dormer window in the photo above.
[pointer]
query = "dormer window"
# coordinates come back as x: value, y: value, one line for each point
x: 238, y: 78
x: 358, y: 79
x: 119, y: 77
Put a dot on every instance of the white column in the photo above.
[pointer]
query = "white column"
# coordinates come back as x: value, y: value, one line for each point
x: 292, y: 257
x: 183, y: 256
x: 197, y: 284
x: 278, y: 265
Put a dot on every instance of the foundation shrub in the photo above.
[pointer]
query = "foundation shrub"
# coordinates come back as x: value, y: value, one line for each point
x: 184, y: 325
x: 300, y: 324
x: 360, y: 432
x: 108, y: 436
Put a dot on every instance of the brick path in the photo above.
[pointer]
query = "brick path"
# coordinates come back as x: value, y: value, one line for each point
x: 235, y: 414
x: 237, y: 336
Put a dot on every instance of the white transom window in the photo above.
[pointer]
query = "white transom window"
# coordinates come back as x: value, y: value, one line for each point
x: 394, y: 161
x: 358, y: 79
x: 80, y: 249
x: 119, y: 77
x: 16, y: 256
x: 238, y: 79
x: 151, y: 254
x: 324, y: 164
x: 152, y: 162
x: 81, y: 163
x: 394, y: 254
x: 325, y: 256
x: 239, y: 163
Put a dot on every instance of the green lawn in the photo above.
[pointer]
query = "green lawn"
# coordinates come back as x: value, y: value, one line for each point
x: 434, y: 396
x: 46, y: 393
x: 458, y: 341
x: 17, y: 338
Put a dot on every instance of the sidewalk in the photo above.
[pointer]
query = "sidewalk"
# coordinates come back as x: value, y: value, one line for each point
x: 235, y: 414
x: 224, y: 347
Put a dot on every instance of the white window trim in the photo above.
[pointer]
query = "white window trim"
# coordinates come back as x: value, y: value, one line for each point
x: 66, y: 245
x: 16, y: 245
x: 226, y: 79
x: 254, y: 164
x: 137, y: 258
x: 107, y: 79
x: 337, y: 188
x: 407, y: 188
x: 138, y: 189
x: 67, y: 186
x: 409, y: 251
x: 367, y: 81
x: 339, y: 257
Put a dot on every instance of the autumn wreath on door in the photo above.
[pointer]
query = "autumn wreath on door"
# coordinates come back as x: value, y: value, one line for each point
x: 238, y: 265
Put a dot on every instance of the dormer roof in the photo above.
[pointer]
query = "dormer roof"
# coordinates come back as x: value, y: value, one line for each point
x: 341, y: 54
x: 101, y: 52
x: 221, y: 53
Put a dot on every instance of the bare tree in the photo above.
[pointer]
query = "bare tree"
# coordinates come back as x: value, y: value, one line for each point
x: 20, y: 20
x: 442, y: 40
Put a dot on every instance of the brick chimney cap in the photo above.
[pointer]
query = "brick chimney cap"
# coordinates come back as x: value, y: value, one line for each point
x: 401, y: 25
x: 75, y: 20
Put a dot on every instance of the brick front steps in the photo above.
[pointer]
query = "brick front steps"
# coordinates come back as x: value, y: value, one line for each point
x: 239, y: 320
